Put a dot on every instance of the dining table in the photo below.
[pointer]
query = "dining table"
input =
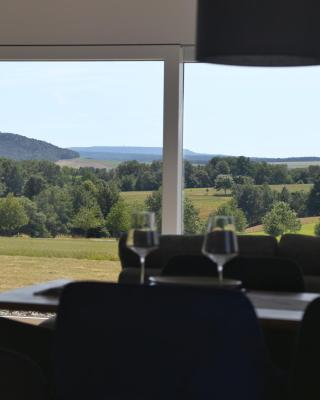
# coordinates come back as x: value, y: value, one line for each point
x: 282, y: 308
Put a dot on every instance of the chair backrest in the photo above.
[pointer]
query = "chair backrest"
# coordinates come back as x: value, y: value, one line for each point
x: 21, y: 378
x: 193, y: 265
x: 305, y: 374
x: 266, y: 273
x: 255, y: 273
x: 143, y: 342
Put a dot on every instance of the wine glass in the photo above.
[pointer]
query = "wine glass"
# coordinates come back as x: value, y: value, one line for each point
x: 142, y: 237
x: 220, y: 242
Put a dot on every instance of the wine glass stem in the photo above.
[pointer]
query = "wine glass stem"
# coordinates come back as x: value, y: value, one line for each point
x: 220, y: 272
x: 142, y: 270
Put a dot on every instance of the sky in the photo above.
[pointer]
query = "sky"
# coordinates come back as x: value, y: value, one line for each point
x: 257, y: 112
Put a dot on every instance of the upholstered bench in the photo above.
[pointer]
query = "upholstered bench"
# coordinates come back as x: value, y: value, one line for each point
x: 305, y: 251
x: 175, y: 245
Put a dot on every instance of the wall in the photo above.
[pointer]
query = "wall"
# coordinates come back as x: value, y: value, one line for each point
x: 97, y: 22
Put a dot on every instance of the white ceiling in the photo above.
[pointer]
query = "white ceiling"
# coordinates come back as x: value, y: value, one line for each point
x: 97, y: 21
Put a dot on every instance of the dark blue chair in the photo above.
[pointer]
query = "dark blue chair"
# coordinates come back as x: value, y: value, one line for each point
x: 161, y: 343
x: 21, y: 378
x: 305, y: 374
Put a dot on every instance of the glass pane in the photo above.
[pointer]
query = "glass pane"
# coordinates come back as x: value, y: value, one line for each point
x: 251, y: 137
x: 62, y: 208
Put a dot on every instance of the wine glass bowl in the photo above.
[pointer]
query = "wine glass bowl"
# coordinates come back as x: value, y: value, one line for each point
x: 220, y: 242
x: 142, y: 237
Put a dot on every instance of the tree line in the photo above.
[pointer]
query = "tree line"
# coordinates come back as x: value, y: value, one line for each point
x: 42, y: 199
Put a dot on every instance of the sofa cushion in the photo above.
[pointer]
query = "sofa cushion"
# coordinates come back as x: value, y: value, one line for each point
x: 304, y: 250
x: 169, y: 246
x: 191, y: 245
x: 257, y: 245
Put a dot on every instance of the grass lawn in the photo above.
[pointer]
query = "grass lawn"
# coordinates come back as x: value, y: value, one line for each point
x: 294, y: 187
x: 25, y: 261
x: 90, y: 249
x: 86, y: 162
x: 206, y: 201
x: 18, y: 271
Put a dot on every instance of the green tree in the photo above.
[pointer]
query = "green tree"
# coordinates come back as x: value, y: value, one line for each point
x: 12, y: 174
x: 12, y: 215
x: 284, y: 195
x: 36, y: 226
x: 107, y: 195
x: 34, y: 185
x: 56, y: 203
x: 223, y: 182
x: 313, y: 203
x: 119, y: 218
x: 222, y: 168
x: 154, y: 203
x: 262, y: 173
x: 255, y: 201
x: 281, y: 219
x: 230, y: 209
x: 298, y: 202
x: 128, y: 183
x: 85, y: 195
x: 317, y: 229
x: 244, y: 166
x: 87, y: 219
x: 191, y: 219
x: 3, y: 189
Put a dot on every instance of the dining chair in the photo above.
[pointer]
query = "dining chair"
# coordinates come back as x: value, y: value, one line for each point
x: 21, y: 378
x: 158, y: 342
x: 255, y: 273
x: 190, y: 265
x: 266, y: 273
x: 35, y: 342
x: 304, y: 382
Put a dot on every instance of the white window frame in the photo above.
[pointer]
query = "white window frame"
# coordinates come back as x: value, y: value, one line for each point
x: 173, y: 58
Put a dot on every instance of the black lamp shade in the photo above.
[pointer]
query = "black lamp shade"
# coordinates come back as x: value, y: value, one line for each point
x: 259, y: 32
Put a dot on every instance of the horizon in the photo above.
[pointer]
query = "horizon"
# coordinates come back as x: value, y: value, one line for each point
x: 160, y: 148
x: 255, y: 112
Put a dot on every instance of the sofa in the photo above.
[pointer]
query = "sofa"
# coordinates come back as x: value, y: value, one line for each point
x: 303, y: 249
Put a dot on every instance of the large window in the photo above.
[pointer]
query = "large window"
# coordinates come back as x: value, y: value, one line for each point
x: 251, y: 138
x: 81, y: 147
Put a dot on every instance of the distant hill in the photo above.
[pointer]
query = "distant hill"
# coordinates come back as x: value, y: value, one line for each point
x: 286, y: 160
x: 20, y: 147
x: 148, y: 154
x: 129, y: 153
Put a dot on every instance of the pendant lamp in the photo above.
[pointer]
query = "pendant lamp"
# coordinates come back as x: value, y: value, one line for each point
x: 259, y: 32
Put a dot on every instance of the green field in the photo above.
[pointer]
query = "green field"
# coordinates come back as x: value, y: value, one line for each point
x: 86, y: 249
x: 25, y: 261
x: 207, y: 201
x: 307, y: 227
x: 297, y: 164
x: 86, y: 162
x: 294, y: 187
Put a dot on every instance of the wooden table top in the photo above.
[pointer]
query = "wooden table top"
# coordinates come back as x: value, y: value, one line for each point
x: 269, y: 306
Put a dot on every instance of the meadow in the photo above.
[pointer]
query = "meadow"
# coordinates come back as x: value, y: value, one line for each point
x: 89, y: 163
x: 26, y: 261
x: 297, y: 164
x: 207, y: 200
